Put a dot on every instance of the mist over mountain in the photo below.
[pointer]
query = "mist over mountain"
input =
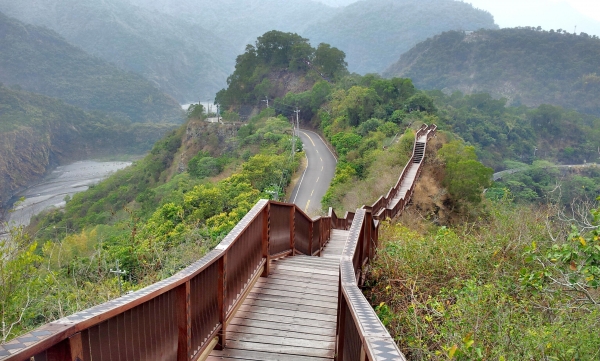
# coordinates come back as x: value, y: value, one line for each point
x: 374, y: 33
x: 526, y: 66
x: 183, y: 59
x: 337, y: 3
x: 240, y: 22
x: 39, y: 60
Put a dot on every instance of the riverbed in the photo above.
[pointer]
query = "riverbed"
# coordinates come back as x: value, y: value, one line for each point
x: 63, y: 181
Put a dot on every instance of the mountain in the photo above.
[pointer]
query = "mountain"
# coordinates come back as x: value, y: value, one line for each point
x: 374, y: 33
x: 525, y: 65
x: 39, y: 60
x: 242, y: 21
x: 184, y: 60
x: 38, y: 133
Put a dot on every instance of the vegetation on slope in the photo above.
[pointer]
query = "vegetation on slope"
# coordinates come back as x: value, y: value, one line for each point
x: 522, y: 134
x: 154, y: 218
x: 184, y: 60
x: 527, y: 66
x: 374, y: 33
x: 545, y: 182
x: 517, y: 284
x: 39, y: 60
x: 37, y: 133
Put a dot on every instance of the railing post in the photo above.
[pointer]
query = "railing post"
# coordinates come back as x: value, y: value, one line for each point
x: 310, y: 238
x: 70, y: 349
x: 341, y: 325
x: 321, y: 227
x: 222, y: 298
x: 184, y: 321
x: 369, y: 234
x: 266, y: 242
x: 292, y: 229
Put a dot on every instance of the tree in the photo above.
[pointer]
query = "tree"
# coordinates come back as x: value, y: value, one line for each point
x: 330, y: 61
x: 281, y: 49
x: 360, y: 104
x: 465, y: 177
x: 420, y: 102
x: 19, y: 282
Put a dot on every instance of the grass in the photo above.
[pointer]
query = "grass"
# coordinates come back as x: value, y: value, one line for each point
x: 454, y: 292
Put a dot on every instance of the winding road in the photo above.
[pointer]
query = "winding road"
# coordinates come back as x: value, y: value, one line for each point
x: 317, y: 176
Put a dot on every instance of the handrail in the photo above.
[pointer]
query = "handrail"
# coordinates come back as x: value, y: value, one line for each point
x: 360, y: 333
x: 186, y: 315
x: 380, y: 208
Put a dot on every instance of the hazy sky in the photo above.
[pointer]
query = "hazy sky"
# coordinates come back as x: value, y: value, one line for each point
x: 549, y: 14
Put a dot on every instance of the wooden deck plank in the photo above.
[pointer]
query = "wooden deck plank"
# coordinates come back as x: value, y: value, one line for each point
x: 299, y: 333
x: 305, y: 275
x: 273, y: 283
x: 280, y: 340
x: 277, y: 300
x: 281, y: 349
x: 288, y: 318
x: 290, y: 327
x: 292, y: 311
x: 283, y: 277
x: 293, y: 294
x: 325, y: 308
x: 284, y: 280
x: 291, y: 314
x: 307, y: 269
x: 241, y: 355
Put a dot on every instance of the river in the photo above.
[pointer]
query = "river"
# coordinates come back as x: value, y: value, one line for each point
x: 52, y: 190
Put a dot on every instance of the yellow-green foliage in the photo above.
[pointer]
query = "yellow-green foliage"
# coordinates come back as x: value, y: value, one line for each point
x: 152, y: 223
x: 457, y: 293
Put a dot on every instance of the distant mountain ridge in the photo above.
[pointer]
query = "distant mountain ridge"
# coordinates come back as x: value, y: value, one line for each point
x: 374, y: 33
x: 39, y: 60
x: 184, y: 60
x: 524, y: 65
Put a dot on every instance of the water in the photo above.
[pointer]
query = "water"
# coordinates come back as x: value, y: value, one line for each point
x: 64, y: 181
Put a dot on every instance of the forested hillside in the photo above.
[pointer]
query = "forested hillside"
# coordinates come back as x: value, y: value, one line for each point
x: 462, y: 277
x: 374, y: 33
x: 39, y: 60
x: 184, y: 60
x: 526, y: 66
x: 38, y: 133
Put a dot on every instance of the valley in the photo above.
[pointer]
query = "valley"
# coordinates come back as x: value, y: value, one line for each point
x: 482, y: 263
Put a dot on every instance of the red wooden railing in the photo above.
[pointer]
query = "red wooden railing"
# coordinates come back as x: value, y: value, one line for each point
x: 381, y: 208
x: 360, y: 334
x: 184, y: 316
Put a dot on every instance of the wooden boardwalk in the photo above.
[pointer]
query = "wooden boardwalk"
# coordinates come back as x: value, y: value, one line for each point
x: 290, y: 315
x: 408, y: 182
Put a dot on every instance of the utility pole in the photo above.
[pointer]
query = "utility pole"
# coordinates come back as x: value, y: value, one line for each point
x: 296, y: 126
x: 218, y: 114
x: 119, y: 273
x: 293, y: 138
x: 297, y: 111
x: 266, y: 100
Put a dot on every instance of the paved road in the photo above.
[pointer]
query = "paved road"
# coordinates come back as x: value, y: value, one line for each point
x: 318, y: 174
